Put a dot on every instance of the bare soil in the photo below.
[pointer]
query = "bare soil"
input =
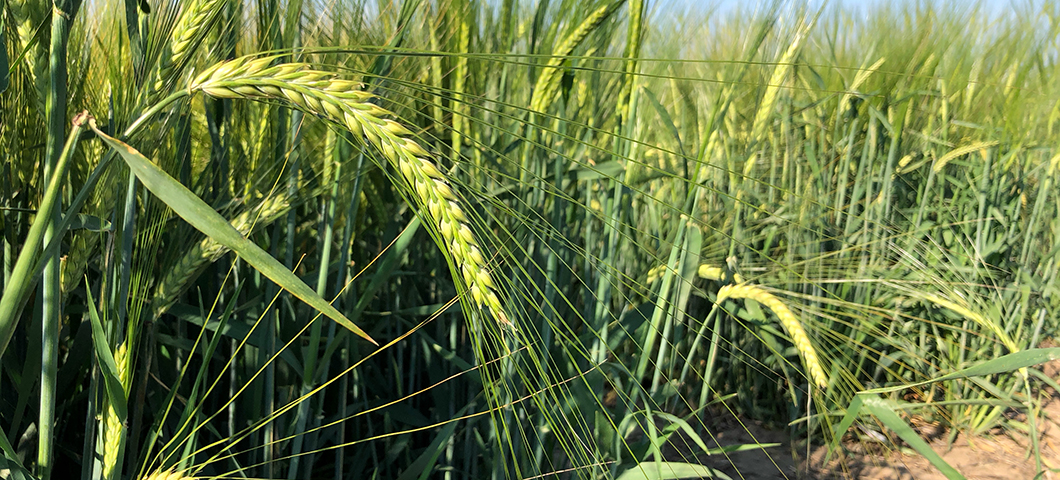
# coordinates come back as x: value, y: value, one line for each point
x: 991, y: 457
x: 998, y: 456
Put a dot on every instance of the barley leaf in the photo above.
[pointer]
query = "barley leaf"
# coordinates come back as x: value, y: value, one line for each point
x: 81, y: 221
x: 1004, y: 364
x: 7, y: 449
x: 14, y: 470
x: 387, y: 268
x: 107, y: 365
x: 884, y: 411
x: 667, y: 120
x: 388, y: 265
x: 853, y: 410
x: 203, y: 217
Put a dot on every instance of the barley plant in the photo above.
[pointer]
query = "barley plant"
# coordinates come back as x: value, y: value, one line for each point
x: 519, y: 238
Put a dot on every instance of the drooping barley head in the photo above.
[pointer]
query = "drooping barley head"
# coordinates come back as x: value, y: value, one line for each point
x: 788, y: 320
x: 343, y: 102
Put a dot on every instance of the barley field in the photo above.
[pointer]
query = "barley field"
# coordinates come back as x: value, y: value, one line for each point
x: 523, y: 239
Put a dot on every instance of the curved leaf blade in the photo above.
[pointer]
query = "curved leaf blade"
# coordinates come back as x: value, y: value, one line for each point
x: 885, y: 413
x: 203, y: 217
x: 107, y: 365
x: 1003, y: 364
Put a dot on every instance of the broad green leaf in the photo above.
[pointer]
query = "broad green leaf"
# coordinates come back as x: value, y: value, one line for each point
x: 689, y: 268
x: 395, y: 255
x: 593, y: 172
x: 203, y: 217
x: 388, y: 266
x: 667, y: 120
x: 202, y: 376
x: 655, y: 440
x: 741, y: 447
x: 12, y: 469
x: 578, y: 172
x: 450, y: 356
x: 428, y: 310
x: 670, y: 470
x: 107, y: 366
x: 848, y: 419
x: 1004, y: 364
x: 632, y: 322
x: 7, y: 449
x: 240, y: 330
x: 192, y: 399
x: 1045, y: 378
x: 883, y: 411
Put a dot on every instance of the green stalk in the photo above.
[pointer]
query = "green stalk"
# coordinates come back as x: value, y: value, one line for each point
x: 661, y: 311
x: 612, y: 207
x: 269, y: 24
x: 347, y: 287
x: 310, y: 373
x: 14, y: 299
x: 294, y: 152
x: 272, y: 323
x: 844, y: 169
x: 21, y: 282
x: 55, y: 108
x: 982, y: 220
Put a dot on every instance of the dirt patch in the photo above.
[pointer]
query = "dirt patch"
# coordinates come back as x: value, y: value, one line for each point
x: 754, y: 464
x: 999, y: 456
x: 995, y: 457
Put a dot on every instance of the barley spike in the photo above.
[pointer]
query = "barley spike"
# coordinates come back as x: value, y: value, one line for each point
x: 787, y: 319
x: 343, y: 103
x: 546, y: 86
x: 28, y: 20
x: 114, y: 428
x: 193, y: 22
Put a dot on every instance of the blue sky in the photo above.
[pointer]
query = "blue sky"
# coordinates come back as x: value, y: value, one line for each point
x: 992, y: 7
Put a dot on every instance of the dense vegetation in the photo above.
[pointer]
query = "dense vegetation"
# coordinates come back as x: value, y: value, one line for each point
x: 557, y: 235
